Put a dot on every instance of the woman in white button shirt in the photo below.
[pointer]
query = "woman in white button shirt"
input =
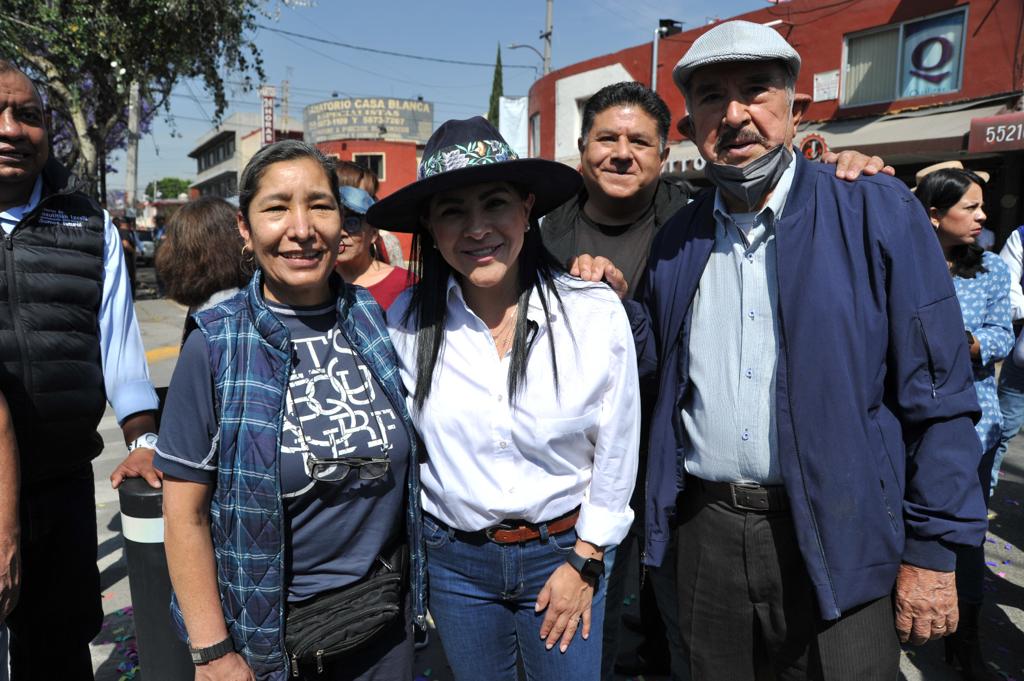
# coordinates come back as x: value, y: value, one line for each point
x: 522, y: 384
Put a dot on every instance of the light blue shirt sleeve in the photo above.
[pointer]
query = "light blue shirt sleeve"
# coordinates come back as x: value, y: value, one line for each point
x: 125, y: 372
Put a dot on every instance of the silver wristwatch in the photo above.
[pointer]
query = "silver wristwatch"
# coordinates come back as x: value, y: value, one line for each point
x: 145, y: 441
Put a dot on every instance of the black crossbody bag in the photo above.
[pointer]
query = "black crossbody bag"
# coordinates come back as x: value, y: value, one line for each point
x: 337, y: 622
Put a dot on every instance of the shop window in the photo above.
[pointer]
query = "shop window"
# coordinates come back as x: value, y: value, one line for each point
x: 912, y: 59
x: 372, y: 162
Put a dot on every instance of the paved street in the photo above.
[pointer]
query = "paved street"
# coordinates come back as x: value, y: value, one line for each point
x: 161, y: 321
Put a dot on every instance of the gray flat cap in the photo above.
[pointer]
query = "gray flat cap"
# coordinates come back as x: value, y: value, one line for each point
x: 735, y: 41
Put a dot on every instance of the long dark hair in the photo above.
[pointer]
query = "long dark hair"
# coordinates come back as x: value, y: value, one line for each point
x: 428, y: 307
x: 942, y: 190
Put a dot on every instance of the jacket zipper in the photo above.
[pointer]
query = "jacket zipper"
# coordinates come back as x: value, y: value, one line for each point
x: 12, y: 284
x: 283, y: 616
x: 796, y: 445
x: 420, y: 619
x: 19, y: 329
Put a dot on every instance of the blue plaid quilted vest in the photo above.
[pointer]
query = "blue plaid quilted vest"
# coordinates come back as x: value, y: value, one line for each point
x: 250, y: 359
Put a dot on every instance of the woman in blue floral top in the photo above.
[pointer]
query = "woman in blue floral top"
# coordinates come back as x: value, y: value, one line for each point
x: 954, y: 202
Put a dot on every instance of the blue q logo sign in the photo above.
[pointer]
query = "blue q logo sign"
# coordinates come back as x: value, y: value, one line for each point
x: 932, y: 55
x: 938, y: 50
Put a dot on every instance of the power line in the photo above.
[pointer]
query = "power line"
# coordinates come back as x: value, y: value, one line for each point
x: 404, y: 55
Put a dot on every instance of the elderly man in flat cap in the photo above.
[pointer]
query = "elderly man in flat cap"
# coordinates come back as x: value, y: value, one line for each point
x: 812, y: 448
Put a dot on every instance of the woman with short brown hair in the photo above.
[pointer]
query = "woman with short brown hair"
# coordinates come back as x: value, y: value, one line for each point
x: 201, y: 259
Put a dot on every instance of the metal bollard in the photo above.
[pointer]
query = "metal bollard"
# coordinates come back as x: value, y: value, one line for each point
x: 162, y: 655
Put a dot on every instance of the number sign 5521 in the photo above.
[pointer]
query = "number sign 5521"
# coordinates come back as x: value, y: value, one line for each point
x: 997, y: 133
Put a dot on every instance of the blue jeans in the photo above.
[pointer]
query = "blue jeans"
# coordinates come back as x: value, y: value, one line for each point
x: 482, y: 598
x: 1011, y: 404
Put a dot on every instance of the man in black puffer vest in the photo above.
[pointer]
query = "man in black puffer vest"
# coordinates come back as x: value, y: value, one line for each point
x: 69, y: 342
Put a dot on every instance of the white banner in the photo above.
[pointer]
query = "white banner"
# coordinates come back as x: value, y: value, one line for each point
x: 513, y: 123
x: 932, y: 55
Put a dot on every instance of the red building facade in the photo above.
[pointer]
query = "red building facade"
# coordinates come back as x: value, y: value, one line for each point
x: 904, y: 79
x: 394, y: 163
x: 383, y: 134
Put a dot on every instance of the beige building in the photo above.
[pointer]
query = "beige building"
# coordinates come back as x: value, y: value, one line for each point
x: 222, y: 153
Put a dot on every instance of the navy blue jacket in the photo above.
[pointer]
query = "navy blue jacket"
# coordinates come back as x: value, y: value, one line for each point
x: 875, y: 403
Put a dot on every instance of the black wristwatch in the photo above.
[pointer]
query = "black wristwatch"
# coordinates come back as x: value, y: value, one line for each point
x: 211, y: 653
x: 590, y: 569
x: 970, y: 339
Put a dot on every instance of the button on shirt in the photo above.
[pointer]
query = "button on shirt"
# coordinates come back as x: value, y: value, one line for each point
x: 548, y: 452
x: 125, y: 372
x: 729, y: 412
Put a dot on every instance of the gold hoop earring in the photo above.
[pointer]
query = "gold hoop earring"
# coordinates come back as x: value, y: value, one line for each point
x: 248, y: 256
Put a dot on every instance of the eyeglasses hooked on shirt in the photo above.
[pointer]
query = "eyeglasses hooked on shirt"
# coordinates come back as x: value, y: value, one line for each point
x: 337, y: 469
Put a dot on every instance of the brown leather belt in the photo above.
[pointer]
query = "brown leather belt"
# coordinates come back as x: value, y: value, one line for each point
x: 744, y: 496
x: 519, y: 531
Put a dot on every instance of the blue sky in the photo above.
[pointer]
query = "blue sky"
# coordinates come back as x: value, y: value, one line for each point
x: 452, y: 29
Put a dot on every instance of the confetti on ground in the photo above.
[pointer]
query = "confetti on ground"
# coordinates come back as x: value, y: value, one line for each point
x: 990, y: 563
x: 1002, y: 574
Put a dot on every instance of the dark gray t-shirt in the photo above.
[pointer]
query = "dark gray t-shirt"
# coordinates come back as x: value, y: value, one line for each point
x: 628, y: 246
x: 335, y: 408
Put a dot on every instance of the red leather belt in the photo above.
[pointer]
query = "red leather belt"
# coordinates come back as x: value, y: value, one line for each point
x: 520, y: 531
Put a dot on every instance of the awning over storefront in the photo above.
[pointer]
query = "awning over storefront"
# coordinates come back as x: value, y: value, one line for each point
x: 910, y: 137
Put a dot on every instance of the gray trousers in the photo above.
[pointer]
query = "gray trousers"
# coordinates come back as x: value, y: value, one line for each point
x: 747, y: 609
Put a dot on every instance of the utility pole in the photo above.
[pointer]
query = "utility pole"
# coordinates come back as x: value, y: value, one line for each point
x: 284, y: 107
x: 666, y: 27
x: 132, y: 169
x: 546, y: 36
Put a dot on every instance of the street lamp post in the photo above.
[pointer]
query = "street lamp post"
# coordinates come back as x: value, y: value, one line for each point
x: 516, y: 46
x: 666, y: 27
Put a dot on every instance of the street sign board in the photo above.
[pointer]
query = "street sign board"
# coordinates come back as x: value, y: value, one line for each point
x: 387, y: 118
x: 997, y: 133
x: 267, y: 95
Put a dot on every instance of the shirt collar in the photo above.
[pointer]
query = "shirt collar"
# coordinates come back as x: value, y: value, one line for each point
x: 534, y: 311
x: 17, y: 212
x: 776, y: 202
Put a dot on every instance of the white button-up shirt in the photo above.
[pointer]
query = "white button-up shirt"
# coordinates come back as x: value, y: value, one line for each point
x: 549, y: 452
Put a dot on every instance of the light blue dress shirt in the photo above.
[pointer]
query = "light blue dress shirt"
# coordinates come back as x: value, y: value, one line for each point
x: 125, y: 372
x: 729, y: 413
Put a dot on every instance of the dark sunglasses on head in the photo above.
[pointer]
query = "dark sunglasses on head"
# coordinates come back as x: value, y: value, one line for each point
x: 353, y: 224
x: 336, y: 470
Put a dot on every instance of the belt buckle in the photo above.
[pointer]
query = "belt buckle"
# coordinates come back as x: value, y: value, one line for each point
x: 490, y: 531
x: 746, y: 501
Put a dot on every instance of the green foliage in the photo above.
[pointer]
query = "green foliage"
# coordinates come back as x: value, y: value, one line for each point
x: 167, y: 188
x: 85, y: 53
x: 497, y: 90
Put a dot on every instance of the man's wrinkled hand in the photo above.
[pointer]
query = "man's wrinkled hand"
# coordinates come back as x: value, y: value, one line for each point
x: 851, y: 164
x: 589, y: 268
x: 925, y: 604
x: 138, y: 464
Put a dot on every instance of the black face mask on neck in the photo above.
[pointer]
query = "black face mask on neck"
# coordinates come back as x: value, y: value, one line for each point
x: 748, y: 184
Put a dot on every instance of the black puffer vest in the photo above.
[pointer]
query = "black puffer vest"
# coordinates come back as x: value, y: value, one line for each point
x: 51, y: 286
